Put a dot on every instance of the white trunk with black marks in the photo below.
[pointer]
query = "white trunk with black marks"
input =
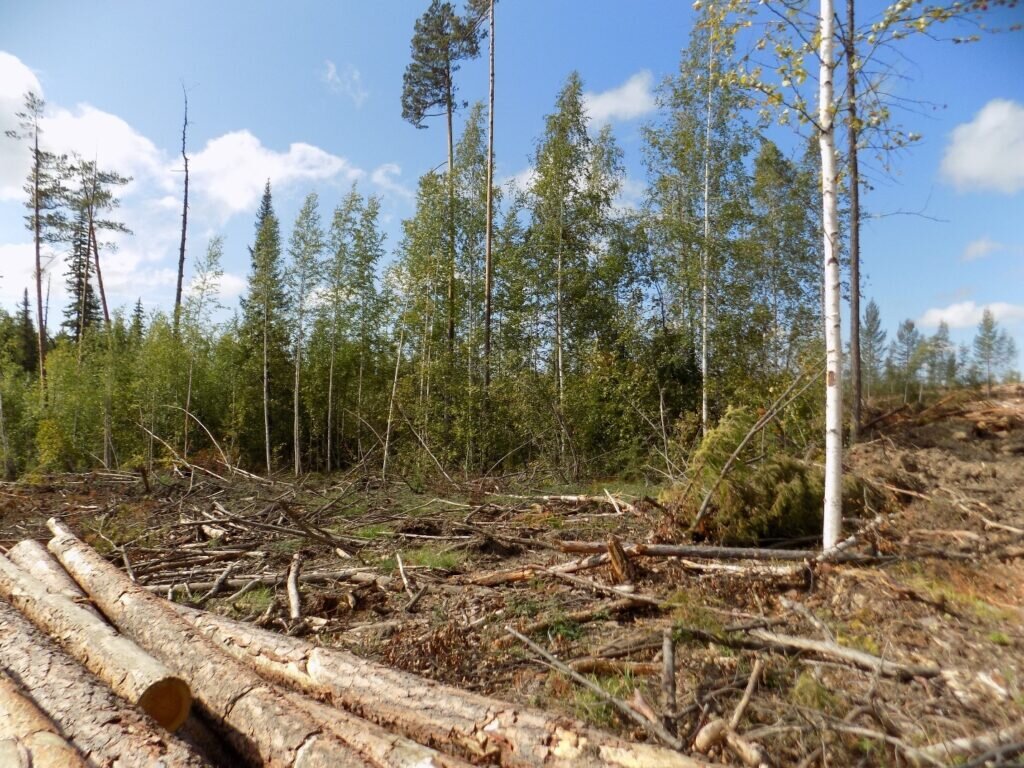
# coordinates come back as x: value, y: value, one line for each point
x: 489, y: 226
x: 391, y: 407
x: 560, y: 370
x: 705, y: 256
x: 833, y: 508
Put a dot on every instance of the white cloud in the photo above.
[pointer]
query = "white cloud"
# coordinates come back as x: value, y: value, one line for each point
x: 980, y: 248
x: 521, y: 181
x: 634, y: 98
x: 987, y: 154
x: 231, y: 170
x: 631, y: 194
x: 15, y: 80
x: 386, y: 177
x: 349, y: 82
x: 967, y: 314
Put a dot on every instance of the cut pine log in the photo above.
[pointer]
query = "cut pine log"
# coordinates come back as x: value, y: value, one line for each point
x: 28, y: 738
x: 257, y: 720
x: 105, y: 730
x: 477, y: 728
x: 131, y: 673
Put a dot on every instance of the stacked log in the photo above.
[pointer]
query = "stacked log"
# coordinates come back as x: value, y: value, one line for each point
x: 28, y: 738
x: 264, y: 725
x: 106, y: 731
x: 468, y: 726
x: 131, y: 673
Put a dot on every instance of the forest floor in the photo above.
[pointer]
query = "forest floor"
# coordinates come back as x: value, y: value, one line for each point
x: 932, y: 596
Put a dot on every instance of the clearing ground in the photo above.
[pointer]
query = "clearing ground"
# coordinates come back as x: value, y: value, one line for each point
x: 915, y: 639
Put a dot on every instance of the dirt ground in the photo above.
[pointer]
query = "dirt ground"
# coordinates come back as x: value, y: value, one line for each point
x: 933, y: 598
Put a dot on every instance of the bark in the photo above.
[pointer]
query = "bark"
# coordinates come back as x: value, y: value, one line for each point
x: 184, y: 224
x: 489, y: 225
x: 705, y: 256
x: 107, y: 731
x: 833, y: 509
x: 474, y: 727
x: 391, y: 407
x: 131, y: 673
x: 260, y: 723
x: 28, y: 738
x: 37, y: 233
x: 852, y: 136
x: 296, y: 425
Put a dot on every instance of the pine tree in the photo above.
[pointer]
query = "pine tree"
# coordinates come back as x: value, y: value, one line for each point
x: 905, y: 354
x: 441, y: 39
x: 994, y: 350
x: 45, y: 198
x: 872, y: 347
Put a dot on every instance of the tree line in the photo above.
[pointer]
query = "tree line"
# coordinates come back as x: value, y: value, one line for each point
x: 545, y: 324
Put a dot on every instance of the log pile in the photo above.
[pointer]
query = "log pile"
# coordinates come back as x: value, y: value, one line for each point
x: 97, y: 670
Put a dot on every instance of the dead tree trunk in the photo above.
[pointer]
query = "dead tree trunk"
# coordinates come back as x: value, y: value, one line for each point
x: 257, y: 720
x: 131, y: 673
x: 28, y: 737
x: 184, y: 222
x: 104, y: 728
x: 474, y: 727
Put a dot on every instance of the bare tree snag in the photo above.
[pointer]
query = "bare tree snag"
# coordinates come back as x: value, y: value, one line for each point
x: 473, y: 727
x: 131, y: 673
x: 294, y: 598
x: 259, y: 722
x: 184, y: 221
x: 28, y: 739
x: 108, y: 732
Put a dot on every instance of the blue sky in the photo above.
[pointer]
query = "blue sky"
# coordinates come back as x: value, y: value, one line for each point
x: 309, y: 94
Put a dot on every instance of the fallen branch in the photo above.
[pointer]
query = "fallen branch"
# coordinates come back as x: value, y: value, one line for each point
x: 655, y: 729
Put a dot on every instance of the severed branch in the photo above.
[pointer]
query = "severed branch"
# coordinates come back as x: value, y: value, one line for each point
x: 654, y: 729
x: 294, y: 598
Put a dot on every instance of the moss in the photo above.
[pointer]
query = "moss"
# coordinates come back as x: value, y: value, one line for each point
x: 999, y: 638
x: 809, y: 692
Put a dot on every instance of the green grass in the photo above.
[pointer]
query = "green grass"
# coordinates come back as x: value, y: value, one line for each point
x: 588, y: 706
x: 255, y: 600
x: 432, y: 557
x: 999, y: 638
x: 373, y: 532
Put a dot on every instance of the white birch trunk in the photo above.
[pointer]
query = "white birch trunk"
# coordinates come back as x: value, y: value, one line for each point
x: 705, y: 260
x: 833, y: 511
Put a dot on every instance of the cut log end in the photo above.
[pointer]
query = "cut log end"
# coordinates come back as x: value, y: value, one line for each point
x: 167, y: 701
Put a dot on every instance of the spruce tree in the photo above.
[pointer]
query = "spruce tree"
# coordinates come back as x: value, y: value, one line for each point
x: 872, y: 347
x: 994, y: 349
x: 264, y: 331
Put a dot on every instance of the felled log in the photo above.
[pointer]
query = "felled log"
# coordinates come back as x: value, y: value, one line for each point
x: 28, y: 738
x: 105, y: 730
x: 477, y: 728
x: 34, y: 559
x: 691, y: 550
x: 257, y: 720
x: 131, y: 673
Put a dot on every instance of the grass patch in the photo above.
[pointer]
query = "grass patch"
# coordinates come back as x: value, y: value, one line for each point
x: 999, y: 638
x: 285, y: 546
x: 373, y: 532
x: 963, y: 599
x: 689, y: 610
x: 588, y: 706
x: 255, y: 600
x: 811, y: 693
x: 522, y: 606
x: 431, y: 557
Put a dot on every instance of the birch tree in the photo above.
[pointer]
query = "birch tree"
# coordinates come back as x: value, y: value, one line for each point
x: 302, y: 279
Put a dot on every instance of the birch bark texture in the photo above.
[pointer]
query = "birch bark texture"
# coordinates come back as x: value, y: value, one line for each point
x: 832, y: 522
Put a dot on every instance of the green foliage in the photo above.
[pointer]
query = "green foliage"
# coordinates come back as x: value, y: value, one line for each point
x: 769, y: 496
